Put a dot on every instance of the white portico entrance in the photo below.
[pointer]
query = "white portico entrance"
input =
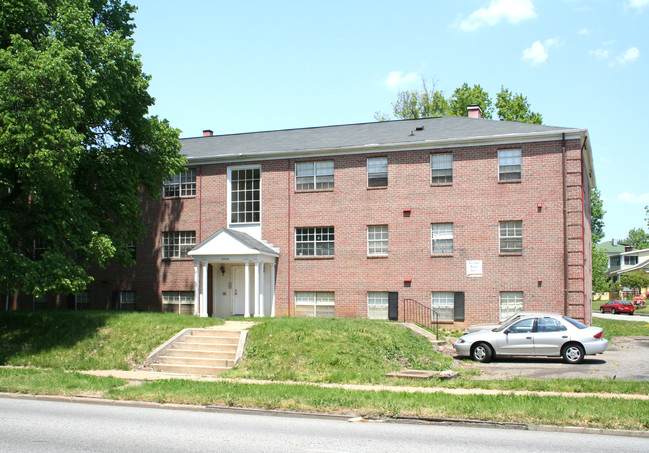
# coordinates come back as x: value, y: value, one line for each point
x: 234, y: 274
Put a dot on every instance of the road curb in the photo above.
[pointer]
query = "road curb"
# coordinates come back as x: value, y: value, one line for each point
x: 320, y: 415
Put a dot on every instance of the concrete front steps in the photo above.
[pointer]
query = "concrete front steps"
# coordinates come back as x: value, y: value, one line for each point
x: 199, y: 351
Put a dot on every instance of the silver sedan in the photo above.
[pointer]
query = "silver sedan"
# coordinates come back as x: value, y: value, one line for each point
x: 550, y: 335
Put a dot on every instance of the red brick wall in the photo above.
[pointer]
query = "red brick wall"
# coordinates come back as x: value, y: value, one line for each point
x: 475, y: 203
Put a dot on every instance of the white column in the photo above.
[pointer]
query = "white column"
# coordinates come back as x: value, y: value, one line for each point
x: 272, y: 290
x: 257, y: 289
x: 262, y: 286
x: 197, y: 279
x: 246, y: 291
x: 204, y: 290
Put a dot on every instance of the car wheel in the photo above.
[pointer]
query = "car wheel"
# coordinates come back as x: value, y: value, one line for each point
x: 613, y: 311
x: 631, y: 314
x: 601, y: 309
x: 573, y: 353
x: 481, y: 352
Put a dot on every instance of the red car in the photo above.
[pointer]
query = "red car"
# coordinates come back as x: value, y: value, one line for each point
x: 617, y: 306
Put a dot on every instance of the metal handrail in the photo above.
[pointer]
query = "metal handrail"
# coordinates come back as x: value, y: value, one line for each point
x: 423, y: 315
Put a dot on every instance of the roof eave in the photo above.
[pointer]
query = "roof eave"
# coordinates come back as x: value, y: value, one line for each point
x: 403, y: 146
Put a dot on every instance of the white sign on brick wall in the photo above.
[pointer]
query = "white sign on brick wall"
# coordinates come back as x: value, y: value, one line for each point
x: 474, y: 268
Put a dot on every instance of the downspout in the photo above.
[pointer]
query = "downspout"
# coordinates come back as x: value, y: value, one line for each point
x: 289, y: 256
x: 200, y: 204
x: 583, y: 229
x: 565, y: 225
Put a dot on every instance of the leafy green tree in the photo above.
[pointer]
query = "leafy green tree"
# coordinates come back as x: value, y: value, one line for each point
x: 637, y: 238
x: 601, y: 282
x: 465, y: 96
x: 417, y: 104
x: 636, y: 279
x: 596, y: 215
x: 427, y: 103
x: 77, y: 147
x: 514, y: 107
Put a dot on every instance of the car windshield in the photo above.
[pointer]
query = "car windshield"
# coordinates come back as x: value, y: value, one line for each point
x: 506, y: 324
x: 624, y: 302
x: 575, y: 323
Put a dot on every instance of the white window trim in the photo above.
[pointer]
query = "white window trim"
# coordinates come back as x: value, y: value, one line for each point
x: 229, y: 194
x: 177, y: 244
x: 315, y: 304
x: 387, y: 166
x: 315, y: 242
x: 180, y: 184
x: 369, y: 253
x: 500, y: 237
x: 448, y: 307
x: 315, y: 175
x: 432, y: 239
x: 520, y: 151
x: 431, y: 169
x: 517, y: 307
x: 378, y: 306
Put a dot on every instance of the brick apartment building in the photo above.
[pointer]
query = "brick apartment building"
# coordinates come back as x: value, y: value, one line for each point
x: 472, y: 217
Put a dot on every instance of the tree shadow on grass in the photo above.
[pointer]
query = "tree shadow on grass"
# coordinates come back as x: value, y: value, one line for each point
x: 24, y: 334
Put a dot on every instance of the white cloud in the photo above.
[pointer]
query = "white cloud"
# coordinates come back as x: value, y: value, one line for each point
x: 638, y: 4
x: 513, y: 11
x: 600, y: 54
x: 629, y: 55
x: 537, y: 53
x: 396, y: 79
x: 584, y: 31
x: 629, y: 197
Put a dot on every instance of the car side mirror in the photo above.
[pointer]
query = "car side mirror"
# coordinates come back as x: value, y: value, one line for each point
x: 506, y: 332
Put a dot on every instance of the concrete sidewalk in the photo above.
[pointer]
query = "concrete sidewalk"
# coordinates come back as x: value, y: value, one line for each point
x: 142, y: 375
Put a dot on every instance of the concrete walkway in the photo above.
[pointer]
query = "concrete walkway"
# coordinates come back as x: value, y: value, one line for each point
x: 624, y: 317
x: 136, y: 375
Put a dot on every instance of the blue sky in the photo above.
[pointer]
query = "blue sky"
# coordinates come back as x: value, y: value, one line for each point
x: 263, y: 65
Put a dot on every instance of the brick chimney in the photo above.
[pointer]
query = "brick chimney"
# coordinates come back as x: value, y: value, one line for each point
x: 207, y: 133
x: 474, y: 111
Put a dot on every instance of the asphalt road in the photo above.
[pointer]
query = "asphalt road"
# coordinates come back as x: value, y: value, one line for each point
x: 627, y: 359
x: 53, y: 426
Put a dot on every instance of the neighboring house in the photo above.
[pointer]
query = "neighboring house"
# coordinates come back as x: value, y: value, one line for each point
x: 628, y: 261
x: 476, y: 218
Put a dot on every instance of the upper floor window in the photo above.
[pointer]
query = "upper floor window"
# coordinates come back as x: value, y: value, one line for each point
x: 509, y: 165
x: 314, y: 175
x: 511, y: 237
x: 39, y: 247
x: 377, y: 172
x: 245, y: 195
x: 614, y: 261
x: 314, y: 241
x: 377, y: 240
x: 176, y: 244
x: 441, y: 168
x: 630, y: 260
x: 442, y: 238
x: 182, y: 185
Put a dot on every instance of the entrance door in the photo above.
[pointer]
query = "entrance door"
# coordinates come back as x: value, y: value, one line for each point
x: 238, y: 291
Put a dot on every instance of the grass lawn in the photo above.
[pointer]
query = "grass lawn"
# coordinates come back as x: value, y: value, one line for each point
x: 334, y: 350
x: 297, y: 349
x: 609, y: 413
x: 87, y: 340
x: 614, y: 328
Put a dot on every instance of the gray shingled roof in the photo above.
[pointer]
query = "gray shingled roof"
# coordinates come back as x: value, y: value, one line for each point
x: 242, y: 237
x: 332, y: 138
